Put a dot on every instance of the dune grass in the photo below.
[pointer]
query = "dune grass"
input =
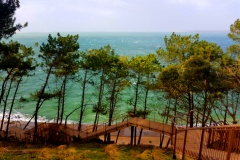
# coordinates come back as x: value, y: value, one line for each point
x: 87, y: 151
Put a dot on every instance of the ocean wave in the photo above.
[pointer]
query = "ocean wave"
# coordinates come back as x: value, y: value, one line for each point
x: 17, y: 116
x: 21, y: 117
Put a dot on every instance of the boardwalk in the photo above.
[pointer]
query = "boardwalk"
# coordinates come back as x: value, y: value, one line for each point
x: 137, y: 122
x: 86, y: 133
x: 218, y: 143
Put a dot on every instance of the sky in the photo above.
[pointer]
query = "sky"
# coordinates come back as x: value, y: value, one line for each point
x: 127, y: 15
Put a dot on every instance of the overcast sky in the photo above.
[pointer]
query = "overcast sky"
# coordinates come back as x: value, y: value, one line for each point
x: 127, y: 15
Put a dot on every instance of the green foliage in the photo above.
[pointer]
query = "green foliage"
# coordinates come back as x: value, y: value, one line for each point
x: 56, y: 52
x: 178, y: 48
x: 118, y: 74
x: 144, y: 64
x: 23, y: 100
x: 197, y: 61
x: 45, y: 96
x: 169, y: 75
x: 142, y: 71
x: 139, y: 113
x: 192, y: 74
x: 199, y: 75
x: 9, y: 55
x: 234, y: 50
x: 99, y: 109
x: 60, y: 57
x: 196, y: 69
x: 7, y: 21
x: 67, y: 65
x: 229, y: 75
x: 169, y: 80
x: 235, y: 31
x: 103, y: 58
x: 208, y: 51
x: 16, y: 56
x: 87, y: 61
x: 105, y: 61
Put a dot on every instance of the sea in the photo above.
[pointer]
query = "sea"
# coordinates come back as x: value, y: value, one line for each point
x: 124, y: 44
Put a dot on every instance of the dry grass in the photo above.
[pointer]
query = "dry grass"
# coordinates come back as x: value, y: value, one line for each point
x: 88, y: 151
x: 145, y: 154
x: 112, y: 151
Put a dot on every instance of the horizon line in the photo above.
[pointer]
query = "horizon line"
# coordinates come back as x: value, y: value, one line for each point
x: 19, y: 32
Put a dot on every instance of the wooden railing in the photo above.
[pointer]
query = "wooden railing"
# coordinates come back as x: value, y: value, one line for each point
x: 137, y: 122
x: 209, y: 143
x: 203, y: 143
x: 118, y: 123
x: 118, y: 119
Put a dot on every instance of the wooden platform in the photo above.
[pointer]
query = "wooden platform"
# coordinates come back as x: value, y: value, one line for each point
x: 218, y: 142
x: 137, y: 122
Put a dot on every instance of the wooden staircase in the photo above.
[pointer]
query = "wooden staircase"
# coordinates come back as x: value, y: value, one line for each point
x: 136, y: 122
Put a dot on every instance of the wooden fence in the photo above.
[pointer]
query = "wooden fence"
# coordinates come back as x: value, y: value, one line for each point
x: 208, y: 143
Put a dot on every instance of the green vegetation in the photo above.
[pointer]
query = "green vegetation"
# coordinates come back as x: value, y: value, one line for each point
x: 88, y: 151
x: 16, y: 60
x: 197, y: 77
x: 7, y: 21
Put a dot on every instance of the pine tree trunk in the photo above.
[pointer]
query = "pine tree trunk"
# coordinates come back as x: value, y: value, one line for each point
x: 112, y: 107
x: 190, y: 108
x: 38, y: 105
x: 144, y: 116
x: 63, y: 98
x: 5, y: 103
x: 2, y: 94
x: 99, y: 104
x: 4, y: 86
x: 59, y: 107
x: 135, y: 110
x: 11, y: 108
x: 82, y: 108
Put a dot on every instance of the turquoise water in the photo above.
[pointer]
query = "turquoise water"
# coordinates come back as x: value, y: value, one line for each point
x: 129, y: 44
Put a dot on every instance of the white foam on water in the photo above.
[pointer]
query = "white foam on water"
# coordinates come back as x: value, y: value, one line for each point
x: 17, y: 116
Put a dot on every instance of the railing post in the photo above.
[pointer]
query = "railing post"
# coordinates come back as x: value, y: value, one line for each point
x: 230, y: 145
x: 197, y: 119
x: 135, y: 136
x: 175, y: 139
x: 105, y: 134
x: 154, y: 117
x: 73, y: 129
x: 175, y: 143
x: 172, y: 133
x: 209, y: 137
x: 185, y: 139
x: 184, y: 144
x: 201, y: 146
x: 105, y: 127
x: 87, y: 135
x: 149, y: 125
